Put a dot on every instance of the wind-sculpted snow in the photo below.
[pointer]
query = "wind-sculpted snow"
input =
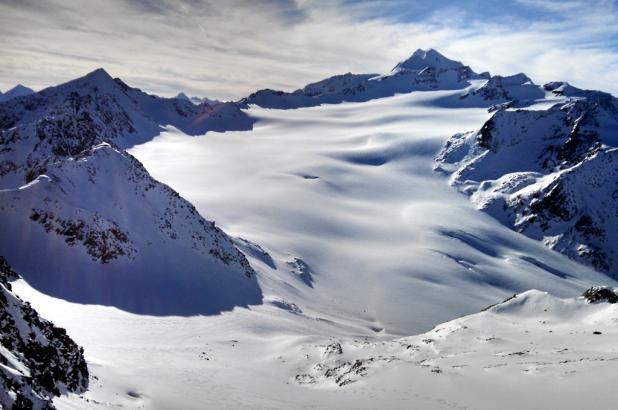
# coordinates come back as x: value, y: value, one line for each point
x: 529, y: 337
x: 104, y: 231
x: 551, y: 174
x: 37, y: 359
x: 350, y: 190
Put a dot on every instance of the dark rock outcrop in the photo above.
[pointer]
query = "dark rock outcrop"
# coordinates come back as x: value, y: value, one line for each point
x: 39, y: 360
x: 599, y: 294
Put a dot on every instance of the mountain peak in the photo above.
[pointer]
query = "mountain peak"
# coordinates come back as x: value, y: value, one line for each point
x: 17, y: 91
x: 195, y: 100
x: 20, y: 89
x: 99, y: 75
x: 421, y: 59
x: 98, y: 79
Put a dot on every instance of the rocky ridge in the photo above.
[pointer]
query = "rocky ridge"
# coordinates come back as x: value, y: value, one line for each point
x: 38, y: 360
x: 549, y: 173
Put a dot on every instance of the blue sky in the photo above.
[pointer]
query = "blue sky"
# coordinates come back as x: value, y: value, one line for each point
x: 504, y: 11
x: 227, y: 49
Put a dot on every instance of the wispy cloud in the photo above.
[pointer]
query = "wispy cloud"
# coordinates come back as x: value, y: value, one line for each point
x: 229, y: 49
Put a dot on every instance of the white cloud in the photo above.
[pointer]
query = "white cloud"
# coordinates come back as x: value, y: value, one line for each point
x: 229, y: 49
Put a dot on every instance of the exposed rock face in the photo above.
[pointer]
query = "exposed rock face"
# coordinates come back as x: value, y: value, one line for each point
x: 333, y: 367
x: 551, y: 174
x: 102, y: 238
x: 598, y: 294
x: 95, y: 215
x: 38, y: 360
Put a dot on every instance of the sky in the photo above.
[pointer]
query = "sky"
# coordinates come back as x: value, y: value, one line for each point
x: 229, y: 49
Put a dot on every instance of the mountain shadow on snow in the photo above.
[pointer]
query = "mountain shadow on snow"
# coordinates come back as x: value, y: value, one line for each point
x: 84, y: 221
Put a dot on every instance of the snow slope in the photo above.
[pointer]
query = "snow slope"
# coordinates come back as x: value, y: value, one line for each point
x: 550, y: 173
x: 104, y: 231
x: 532, y: 351
x: 350, y: 189
x: 535, y: 351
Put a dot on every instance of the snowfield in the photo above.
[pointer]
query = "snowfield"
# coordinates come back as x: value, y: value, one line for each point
x: 322, y: 183
x: 357, y: 244
x: 344, y: 270
x: 535, y: 352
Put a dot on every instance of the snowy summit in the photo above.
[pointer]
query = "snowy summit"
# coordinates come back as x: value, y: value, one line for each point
x: 421, y: 59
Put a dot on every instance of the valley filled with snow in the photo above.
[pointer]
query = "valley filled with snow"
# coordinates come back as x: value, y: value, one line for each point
x: 321, y: 183
x: 360, y: 242
x: 350, y: 265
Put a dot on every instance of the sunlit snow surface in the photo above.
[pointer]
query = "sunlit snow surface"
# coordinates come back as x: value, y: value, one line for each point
x: 349, y: 189
x: 360, y: 240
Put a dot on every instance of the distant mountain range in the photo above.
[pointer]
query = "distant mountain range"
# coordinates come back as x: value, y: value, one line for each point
x: 425, y: 70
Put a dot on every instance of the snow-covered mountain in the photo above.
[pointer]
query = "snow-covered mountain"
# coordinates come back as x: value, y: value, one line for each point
x: 69, y: 118
x: 37, y: 359
x: 513, y: 90
x: 17, y: 91
x: 354, y: 241
x: 93, y: 109
x: 550, y: 173
x: 104, y: 231
x: 197, y: 100
x: 425, y: 70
